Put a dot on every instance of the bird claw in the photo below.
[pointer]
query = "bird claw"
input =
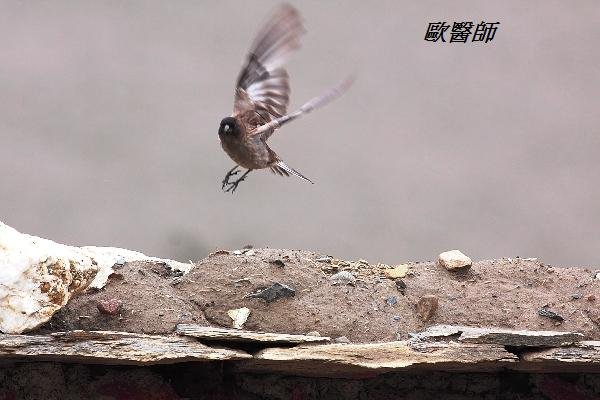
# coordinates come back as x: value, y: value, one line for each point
x: 225, y: 181
x: 232, y: 185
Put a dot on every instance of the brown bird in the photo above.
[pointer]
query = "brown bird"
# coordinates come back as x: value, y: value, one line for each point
x: 262, y: 96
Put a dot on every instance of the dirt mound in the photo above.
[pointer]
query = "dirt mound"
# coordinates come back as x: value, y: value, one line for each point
x: 365, y: 306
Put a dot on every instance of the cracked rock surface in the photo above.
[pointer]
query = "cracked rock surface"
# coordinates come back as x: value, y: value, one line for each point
x: 39, y: 276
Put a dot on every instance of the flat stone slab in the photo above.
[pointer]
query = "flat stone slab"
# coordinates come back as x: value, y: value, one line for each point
x: 235, y: 335
x: 505, y: 337
x: 360, y: 360
x: 108, y: 347
x: 583, y: 357
x: 285, y: 354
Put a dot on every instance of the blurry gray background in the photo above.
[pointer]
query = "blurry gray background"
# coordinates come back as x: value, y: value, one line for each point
x: 109, y: 113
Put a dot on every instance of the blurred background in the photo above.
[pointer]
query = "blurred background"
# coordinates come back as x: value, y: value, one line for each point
x: 109, y: 114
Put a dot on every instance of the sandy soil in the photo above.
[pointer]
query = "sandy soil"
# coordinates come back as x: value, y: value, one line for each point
x: 502, y: 293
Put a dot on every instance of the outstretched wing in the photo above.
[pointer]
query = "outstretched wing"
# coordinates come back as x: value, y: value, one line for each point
x: 263, y: 83
x: 267, y: 129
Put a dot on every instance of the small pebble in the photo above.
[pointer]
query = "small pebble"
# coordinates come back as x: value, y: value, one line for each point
x: 176, y: 281
x: 396, y: 272
x: 277, y: 263
x: 239, y: 316
x: 391, y: 301
x: 401, y: 286
x: 273, y: 292
x: 544, y: 312
x: 454, y: 260
x: 110, y: 307
x: 218, y: 252
x: 591, y: 297
x: 343, y: 278
x: 427, y: 306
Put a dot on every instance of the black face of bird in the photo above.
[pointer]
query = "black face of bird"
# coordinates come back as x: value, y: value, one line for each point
x: 228, y: 126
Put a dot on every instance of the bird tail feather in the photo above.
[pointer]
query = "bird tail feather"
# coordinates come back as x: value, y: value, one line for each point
x: 283, y: 169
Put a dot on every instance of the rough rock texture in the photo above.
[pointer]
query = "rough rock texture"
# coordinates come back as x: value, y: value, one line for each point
x: 454, y: 260
x: 583, y: 356
x: 439, y: 348
x: 151, y: 303
x: 504, y: 293
x: 39, y: 276
x: 427, y: 306
x: 208, y: 333
x: 505, y: 337
x: 111, y: 348
x: 360, y: 360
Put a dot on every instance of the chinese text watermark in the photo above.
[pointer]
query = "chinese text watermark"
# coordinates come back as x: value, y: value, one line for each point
x: 461, y: 31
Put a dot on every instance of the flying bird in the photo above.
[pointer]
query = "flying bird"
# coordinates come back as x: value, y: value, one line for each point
x: 261, y: 99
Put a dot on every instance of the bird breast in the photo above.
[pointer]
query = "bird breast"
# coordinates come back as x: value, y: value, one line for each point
x: 247, y: 151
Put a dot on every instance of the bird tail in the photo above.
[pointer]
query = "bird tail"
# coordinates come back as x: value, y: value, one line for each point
x: 283, y: 169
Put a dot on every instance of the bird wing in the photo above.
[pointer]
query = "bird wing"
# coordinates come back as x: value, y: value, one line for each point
x: 263, y: 84
x: 266, y: 130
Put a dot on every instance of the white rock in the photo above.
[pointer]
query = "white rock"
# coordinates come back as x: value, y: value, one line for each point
x: 39, y: 276
x: 343, y: 278
x: 454, y: 260
x: 239, y: 316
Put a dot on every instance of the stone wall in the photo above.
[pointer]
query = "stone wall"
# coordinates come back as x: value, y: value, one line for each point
x: 57, y: 381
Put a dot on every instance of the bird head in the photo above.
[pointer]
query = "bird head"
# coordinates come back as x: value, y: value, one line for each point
x: 229, y: 127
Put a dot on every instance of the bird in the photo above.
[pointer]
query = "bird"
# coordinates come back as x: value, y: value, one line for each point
x: 261, y: 99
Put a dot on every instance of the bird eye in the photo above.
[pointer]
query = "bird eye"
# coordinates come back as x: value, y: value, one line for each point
x: 227, y: 128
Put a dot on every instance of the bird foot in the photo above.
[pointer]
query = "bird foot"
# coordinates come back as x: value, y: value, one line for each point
x: 233, y: 185
x: 225, y: 181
